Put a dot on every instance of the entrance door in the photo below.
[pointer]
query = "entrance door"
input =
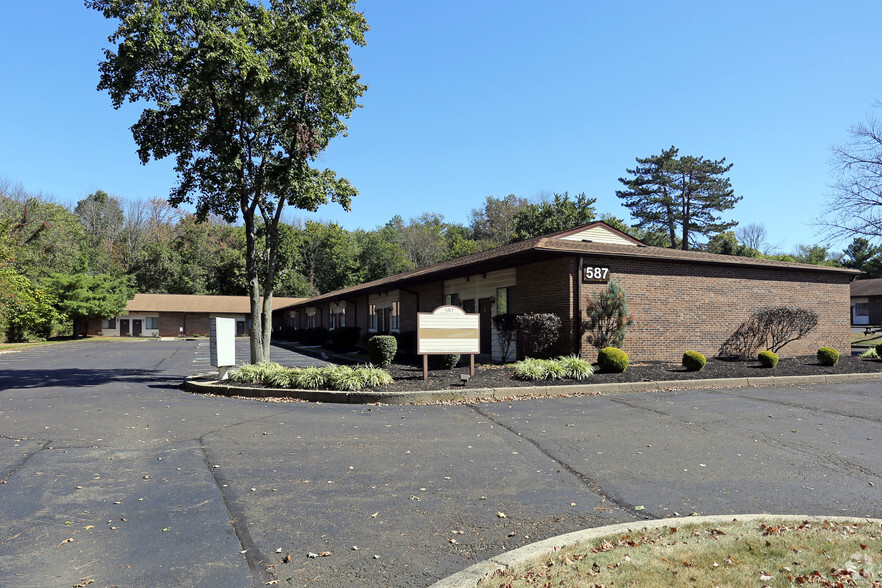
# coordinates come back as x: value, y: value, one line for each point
x: 240, y: 328
x: 123, y: 327
x: 136, y: 327
x: 485, y: 307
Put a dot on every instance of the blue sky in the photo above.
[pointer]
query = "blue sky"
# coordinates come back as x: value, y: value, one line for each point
x: 479, y: 98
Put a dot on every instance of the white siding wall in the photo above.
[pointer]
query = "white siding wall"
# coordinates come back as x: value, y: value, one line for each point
x: 599, y: 235
x: 484, y: 286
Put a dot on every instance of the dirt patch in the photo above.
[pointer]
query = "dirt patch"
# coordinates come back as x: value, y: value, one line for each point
x: 410, y: 377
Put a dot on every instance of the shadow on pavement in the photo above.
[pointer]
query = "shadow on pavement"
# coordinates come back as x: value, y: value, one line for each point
x: 75, y: 378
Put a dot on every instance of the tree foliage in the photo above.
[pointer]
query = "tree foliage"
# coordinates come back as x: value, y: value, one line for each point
x: 553, y: 215
x: 680, y: 195
x: 244, y: 95
x: 85, y: 296
x: 537, y: 333
x: 607, y: 317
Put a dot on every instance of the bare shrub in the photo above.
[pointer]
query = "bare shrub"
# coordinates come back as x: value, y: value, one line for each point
x: 537, y: 332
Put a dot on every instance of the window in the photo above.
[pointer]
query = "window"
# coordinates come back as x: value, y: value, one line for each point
x: 453, y: 299
x: 505, y: 300
x: 861, y: 309
x: 395, y: 322
x: 372, y: 317
x: 108, y: 323
x: 338, y: 318
x: 151, y: 322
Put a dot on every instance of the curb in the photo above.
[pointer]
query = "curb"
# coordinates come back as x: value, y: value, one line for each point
x: 199, y: 385
x: 473, y: 575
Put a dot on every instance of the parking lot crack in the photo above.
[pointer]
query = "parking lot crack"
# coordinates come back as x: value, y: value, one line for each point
x: 257, y: 562
x: 581, y: 477
x: 25, y: 460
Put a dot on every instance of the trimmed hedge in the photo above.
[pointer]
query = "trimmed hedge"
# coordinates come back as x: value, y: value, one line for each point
x: 345, y: 336
x: 694, y: 361
x: 447, y: 361
x: 611, y: 359
x: 382, y: 349
x: 827, y: 356
x: 768, y: 359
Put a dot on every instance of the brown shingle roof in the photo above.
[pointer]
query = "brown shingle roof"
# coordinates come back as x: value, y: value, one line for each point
x: 866, y: 287
x: 540, y: 247
x: 199, y: 303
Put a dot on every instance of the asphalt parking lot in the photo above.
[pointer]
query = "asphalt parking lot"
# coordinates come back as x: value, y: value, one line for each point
x: 113, y: 475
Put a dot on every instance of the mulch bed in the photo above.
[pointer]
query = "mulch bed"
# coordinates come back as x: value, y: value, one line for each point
x: 410, y: 377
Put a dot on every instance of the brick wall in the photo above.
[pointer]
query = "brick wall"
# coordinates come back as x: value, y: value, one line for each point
x: 680, y: 306
x: 548, y: 286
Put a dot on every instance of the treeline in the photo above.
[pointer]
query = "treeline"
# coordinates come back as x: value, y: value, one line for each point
x: 50, y: 251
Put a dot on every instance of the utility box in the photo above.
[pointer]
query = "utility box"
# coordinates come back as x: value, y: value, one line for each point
x: 222, y: 344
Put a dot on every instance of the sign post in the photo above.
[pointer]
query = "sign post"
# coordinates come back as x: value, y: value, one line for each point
x: 222, y: 345
x: 448, y: 329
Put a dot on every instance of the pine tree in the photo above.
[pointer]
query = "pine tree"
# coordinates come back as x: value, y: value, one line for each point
x: 607, y: 317
x: 679, y: 195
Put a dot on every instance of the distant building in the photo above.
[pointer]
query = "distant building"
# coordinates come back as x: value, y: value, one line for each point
x: 172, y: 315
x: 866, y: 302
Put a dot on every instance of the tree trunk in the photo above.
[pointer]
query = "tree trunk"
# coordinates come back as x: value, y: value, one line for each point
x: 259, y: 349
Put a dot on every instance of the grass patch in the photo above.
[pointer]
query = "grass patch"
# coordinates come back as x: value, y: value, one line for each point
x: 866, y: 340
x: 749, y: 554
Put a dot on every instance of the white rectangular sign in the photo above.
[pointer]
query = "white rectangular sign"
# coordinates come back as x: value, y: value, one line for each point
x: 222, y: 342
x: 448, y: 329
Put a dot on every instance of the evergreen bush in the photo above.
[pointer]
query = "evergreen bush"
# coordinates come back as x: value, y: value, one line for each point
x: 768, y: 359
x: 607, y: 317
x: 827, y: 356
x: 694, y: 361
x: 612, y: 359
x: 537, y: 332
x: 381, y: 349
x: 345, y: 336
x: 447, y: 361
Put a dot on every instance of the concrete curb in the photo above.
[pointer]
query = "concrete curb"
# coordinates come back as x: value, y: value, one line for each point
x: 473, y: 575
x: 199, y: 385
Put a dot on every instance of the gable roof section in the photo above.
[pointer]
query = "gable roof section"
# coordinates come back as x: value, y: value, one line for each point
x: 866, y: 287
x: 200, y: 303
x: 598, y: 232
x: 539, y: 248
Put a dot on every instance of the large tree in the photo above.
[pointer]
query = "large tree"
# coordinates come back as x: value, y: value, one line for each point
x: 246, y: 95
x: 854, y: 206
x: 677, y: 194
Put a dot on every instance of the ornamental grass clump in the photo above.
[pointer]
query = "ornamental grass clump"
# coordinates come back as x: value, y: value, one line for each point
x: 554, y: 370
x: 374, y: 376
x: 611, y: 359
x: 530, y: 369
x: 871, y: 353
x: 694, y: 361
x: 768, y: 359
x: 254, y: 373
x: 575, y: 367
x: 827, y: 356
x: 308, y: 378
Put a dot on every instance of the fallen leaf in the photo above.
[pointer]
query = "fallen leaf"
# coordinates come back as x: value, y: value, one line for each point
x: 312, y: 555
x: 641, y: 507
x: 166, y: 530
x: 287, y: 558
x: 373, y: 516
x: 325, y: 554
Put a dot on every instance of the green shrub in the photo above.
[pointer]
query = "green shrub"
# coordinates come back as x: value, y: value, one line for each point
x: 447, y: 361
x: 694, y: 361
x: 575, y: 367
x: 315, y: 336
x: 768, y: 359
x: 554, y: 369
x: 308, y: 378
x: 871, y: 353
x: 530, y: 369
x: 878, y: 350
x: 382, y: 349
x: 345, y: 336
x: 827, y: 356
x: 343, y: 377
x: 611, y: 359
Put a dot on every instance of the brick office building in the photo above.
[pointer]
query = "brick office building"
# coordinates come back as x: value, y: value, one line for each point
x: 680, y: 299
